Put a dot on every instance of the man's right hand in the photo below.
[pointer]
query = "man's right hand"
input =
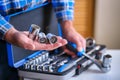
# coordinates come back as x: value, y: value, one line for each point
x: 21, y: 39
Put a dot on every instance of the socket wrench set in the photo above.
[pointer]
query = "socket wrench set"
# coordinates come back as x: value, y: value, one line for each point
x: 56, y: 64
x: 35, y: 34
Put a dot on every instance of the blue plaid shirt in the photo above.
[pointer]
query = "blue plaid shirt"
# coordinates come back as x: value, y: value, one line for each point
x: 63, y: 9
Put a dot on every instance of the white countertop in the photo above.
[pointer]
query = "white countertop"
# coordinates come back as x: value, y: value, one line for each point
x: 93, y: 73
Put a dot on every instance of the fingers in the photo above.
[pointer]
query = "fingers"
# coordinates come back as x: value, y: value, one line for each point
x: 39, y: 46
x: 61, y: 40
x: 72, y: 54
x: 35, y: 45
x: 81, y: 43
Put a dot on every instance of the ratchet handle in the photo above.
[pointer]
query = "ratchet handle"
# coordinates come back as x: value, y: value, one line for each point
x: 72, y: 47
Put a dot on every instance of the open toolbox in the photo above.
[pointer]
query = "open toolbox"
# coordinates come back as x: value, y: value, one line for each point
x: 51, y: 65
x: 56, y: 64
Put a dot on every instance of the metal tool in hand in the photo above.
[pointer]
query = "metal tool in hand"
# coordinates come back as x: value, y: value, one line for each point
x: 51, y: 38
x: 103, y: 65
x: 42, y: 37
x: 73, y: 63
x: 33, y: 31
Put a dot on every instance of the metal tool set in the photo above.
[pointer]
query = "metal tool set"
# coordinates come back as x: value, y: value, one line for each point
x: 35, y: 34
x: 58, y: 65
x: 45, y: 63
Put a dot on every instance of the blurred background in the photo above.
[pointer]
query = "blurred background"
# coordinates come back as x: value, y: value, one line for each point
x: 99, y: 19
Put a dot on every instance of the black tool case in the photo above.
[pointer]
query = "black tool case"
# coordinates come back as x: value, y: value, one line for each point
x: 28, y: 62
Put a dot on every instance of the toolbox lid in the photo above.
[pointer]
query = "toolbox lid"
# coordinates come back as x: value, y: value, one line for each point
x: 21, y: 21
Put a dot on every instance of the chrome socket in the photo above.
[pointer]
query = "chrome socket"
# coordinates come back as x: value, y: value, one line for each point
x: 33, y: 67
x: 26, y: 66
x: 33, y: 31
x: 50, y: 68
x: 90, y: 42
x: 42, y: 37
x: 35, y: 34
x: 51, y: 38
x: 107, y: 59
x: 39, y: 68
x: 106, y: 64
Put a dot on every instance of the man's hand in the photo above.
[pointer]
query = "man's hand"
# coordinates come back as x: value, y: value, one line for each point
x: 21, y: 39
x: 73, y: 36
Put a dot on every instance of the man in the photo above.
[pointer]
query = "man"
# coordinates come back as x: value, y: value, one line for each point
x: 64, y: 10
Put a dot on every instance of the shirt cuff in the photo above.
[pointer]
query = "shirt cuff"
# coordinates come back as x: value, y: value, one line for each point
x: 64, y: 9
x: 65, y: 15
x: 4, y: 27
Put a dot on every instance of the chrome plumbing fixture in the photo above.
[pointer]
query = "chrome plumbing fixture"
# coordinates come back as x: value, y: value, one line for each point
x: 33, y: 31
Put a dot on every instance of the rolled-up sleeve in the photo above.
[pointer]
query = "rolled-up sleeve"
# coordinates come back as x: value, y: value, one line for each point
x: 4, y: 26
x: 64, y: 9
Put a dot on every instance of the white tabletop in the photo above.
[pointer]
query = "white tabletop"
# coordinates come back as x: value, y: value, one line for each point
x: 93, y: 73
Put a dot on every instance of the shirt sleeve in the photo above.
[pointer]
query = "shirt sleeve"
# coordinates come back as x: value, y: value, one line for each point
x: 4, y: 26
x: 64, y: 9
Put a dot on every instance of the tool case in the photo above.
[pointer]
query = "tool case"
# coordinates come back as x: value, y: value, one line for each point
x: 57, y: 67
x: 46, y: 65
